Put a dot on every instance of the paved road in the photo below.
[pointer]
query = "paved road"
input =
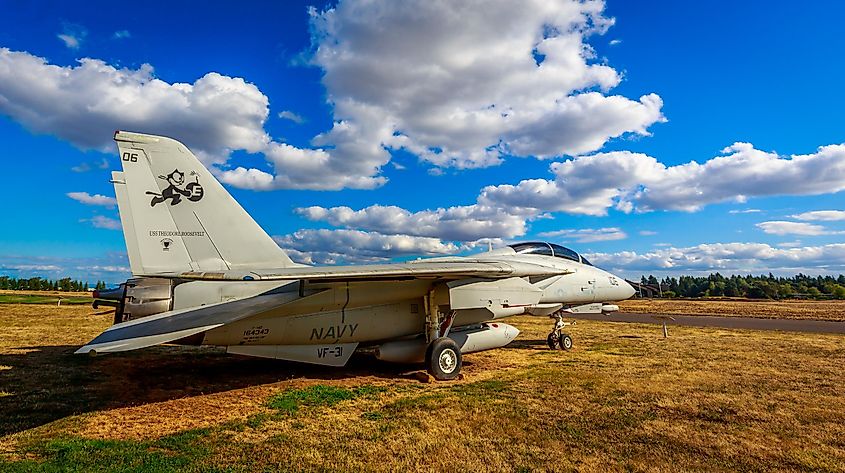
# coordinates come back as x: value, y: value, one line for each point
x: 787, y: 325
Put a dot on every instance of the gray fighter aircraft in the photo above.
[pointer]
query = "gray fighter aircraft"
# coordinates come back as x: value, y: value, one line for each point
x: 205, y: 273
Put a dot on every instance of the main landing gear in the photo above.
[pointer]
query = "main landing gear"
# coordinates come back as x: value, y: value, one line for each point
x: 443, y: 359
x: 443, y: 356
x: 557, y: 339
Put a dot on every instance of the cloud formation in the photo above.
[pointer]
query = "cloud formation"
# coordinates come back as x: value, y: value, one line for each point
x: 354, y: 246
x: 72, y: 35
x: 85, y: 167
x: 622, y: 180
x: 821, y: 215
x: 588, y: 235
x: 461, y: 223
x: 95, y: 199
x: 111, y: 267
x: 294, y: 117
x: 213, y: 116
x: 630, y: 181
x: 782, y: 227
x: 744, y: 211
x: 84, y: 104
x: 459, y: 84
x: 726, y: 257
x: 100, y: 221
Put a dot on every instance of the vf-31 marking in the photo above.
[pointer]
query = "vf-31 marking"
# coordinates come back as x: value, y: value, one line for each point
x: 212, y: 276
x: 335, y: 351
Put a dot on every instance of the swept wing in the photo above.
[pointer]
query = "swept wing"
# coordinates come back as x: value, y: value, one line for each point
x: 173, y: 325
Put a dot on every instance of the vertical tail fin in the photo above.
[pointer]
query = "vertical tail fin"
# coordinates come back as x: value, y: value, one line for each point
x: 177, y: 217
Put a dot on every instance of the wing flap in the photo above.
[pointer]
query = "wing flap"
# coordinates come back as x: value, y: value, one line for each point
x: 176, y: 324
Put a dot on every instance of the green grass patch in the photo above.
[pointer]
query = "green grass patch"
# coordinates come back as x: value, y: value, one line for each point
x: 372, y: 416
x: 36, y: 299
x: 318, y: 395
x: 257, y: 420
x: 181, y: 452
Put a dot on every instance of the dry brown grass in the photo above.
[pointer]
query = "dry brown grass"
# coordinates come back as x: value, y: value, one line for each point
x: 788, y: 309
x: 623, y: 400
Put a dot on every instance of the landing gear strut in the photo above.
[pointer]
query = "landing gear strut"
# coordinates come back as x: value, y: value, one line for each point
x: 557, y: 339
x: 443, y: 356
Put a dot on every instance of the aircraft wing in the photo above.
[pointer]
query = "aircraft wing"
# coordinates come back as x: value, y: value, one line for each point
x: 176, y: 324
x: 173, y: 325
x: 425, y: 269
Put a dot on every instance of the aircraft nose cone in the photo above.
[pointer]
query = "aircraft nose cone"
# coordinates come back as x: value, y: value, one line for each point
x: 627, y: 290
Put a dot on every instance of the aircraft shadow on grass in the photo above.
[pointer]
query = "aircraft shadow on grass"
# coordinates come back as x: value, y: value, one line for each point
x: 526, y: 344
x: 47, y: 383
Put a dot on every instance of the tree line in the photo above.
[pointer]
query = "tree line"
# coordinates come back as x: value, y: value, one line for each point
x: 753, y: 287
x: 714, y: 285
x: 41, y: 284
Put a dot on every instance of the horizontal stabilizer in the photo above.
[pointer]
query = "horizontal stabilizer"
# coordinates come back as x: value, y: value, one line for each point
x: 176, y: 324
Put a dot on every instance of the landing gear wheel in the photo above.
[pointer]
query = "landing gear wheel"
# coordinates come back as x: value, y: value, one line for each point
x: 553, y: 340
x: 565, y: 342
x: 443, y: 359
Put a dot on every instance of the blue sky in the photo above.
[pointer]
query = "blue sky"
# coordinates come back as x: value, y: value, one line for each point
x: 389, y: 132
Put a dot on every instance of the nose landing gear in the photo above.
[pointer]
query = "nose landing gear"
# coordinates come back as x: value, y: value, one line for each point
x: 557, y: 339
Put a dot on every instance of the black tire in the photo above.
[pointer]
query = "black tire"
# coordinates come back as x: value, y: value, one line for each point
x: 565, y: 342
x: 443, y: 359
x: 553, y: 341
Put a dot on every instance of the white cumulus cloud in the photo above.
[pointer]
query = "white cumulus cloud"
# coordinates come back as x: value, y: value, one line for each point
x: 782, y: 227
x: 353, y: 246
x: 96, y: 199
x: 461, y: 223
x: 84, y: 104
x: 633, y: 181
x: 214, y: 115
x: 821, y: 215
x: 100, y: 221
x: 462, y: 84
x: 726, y: 257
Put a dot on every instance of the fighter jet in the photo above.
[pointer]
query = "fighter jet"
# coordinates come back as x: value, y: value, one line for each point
x: 205, y: 273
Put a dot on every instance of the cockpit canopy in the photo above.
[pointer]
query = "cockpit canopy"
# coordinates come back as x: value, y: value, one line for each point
x: 548, y: 249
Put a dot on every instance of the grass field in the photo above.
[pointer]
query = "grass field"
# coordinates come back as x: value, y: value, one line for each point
x: 623, y: 400
x: 44, y: 297
x: 787, y: 309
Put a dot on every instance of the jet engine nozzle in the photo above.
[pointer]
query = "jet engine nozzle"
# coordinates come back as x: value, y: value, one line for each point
x: 143, y: 297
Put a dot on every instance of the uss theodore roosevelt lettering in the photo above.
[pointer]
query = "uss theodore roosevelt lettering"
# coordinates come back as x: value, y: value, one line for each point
x: 171, y: 233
